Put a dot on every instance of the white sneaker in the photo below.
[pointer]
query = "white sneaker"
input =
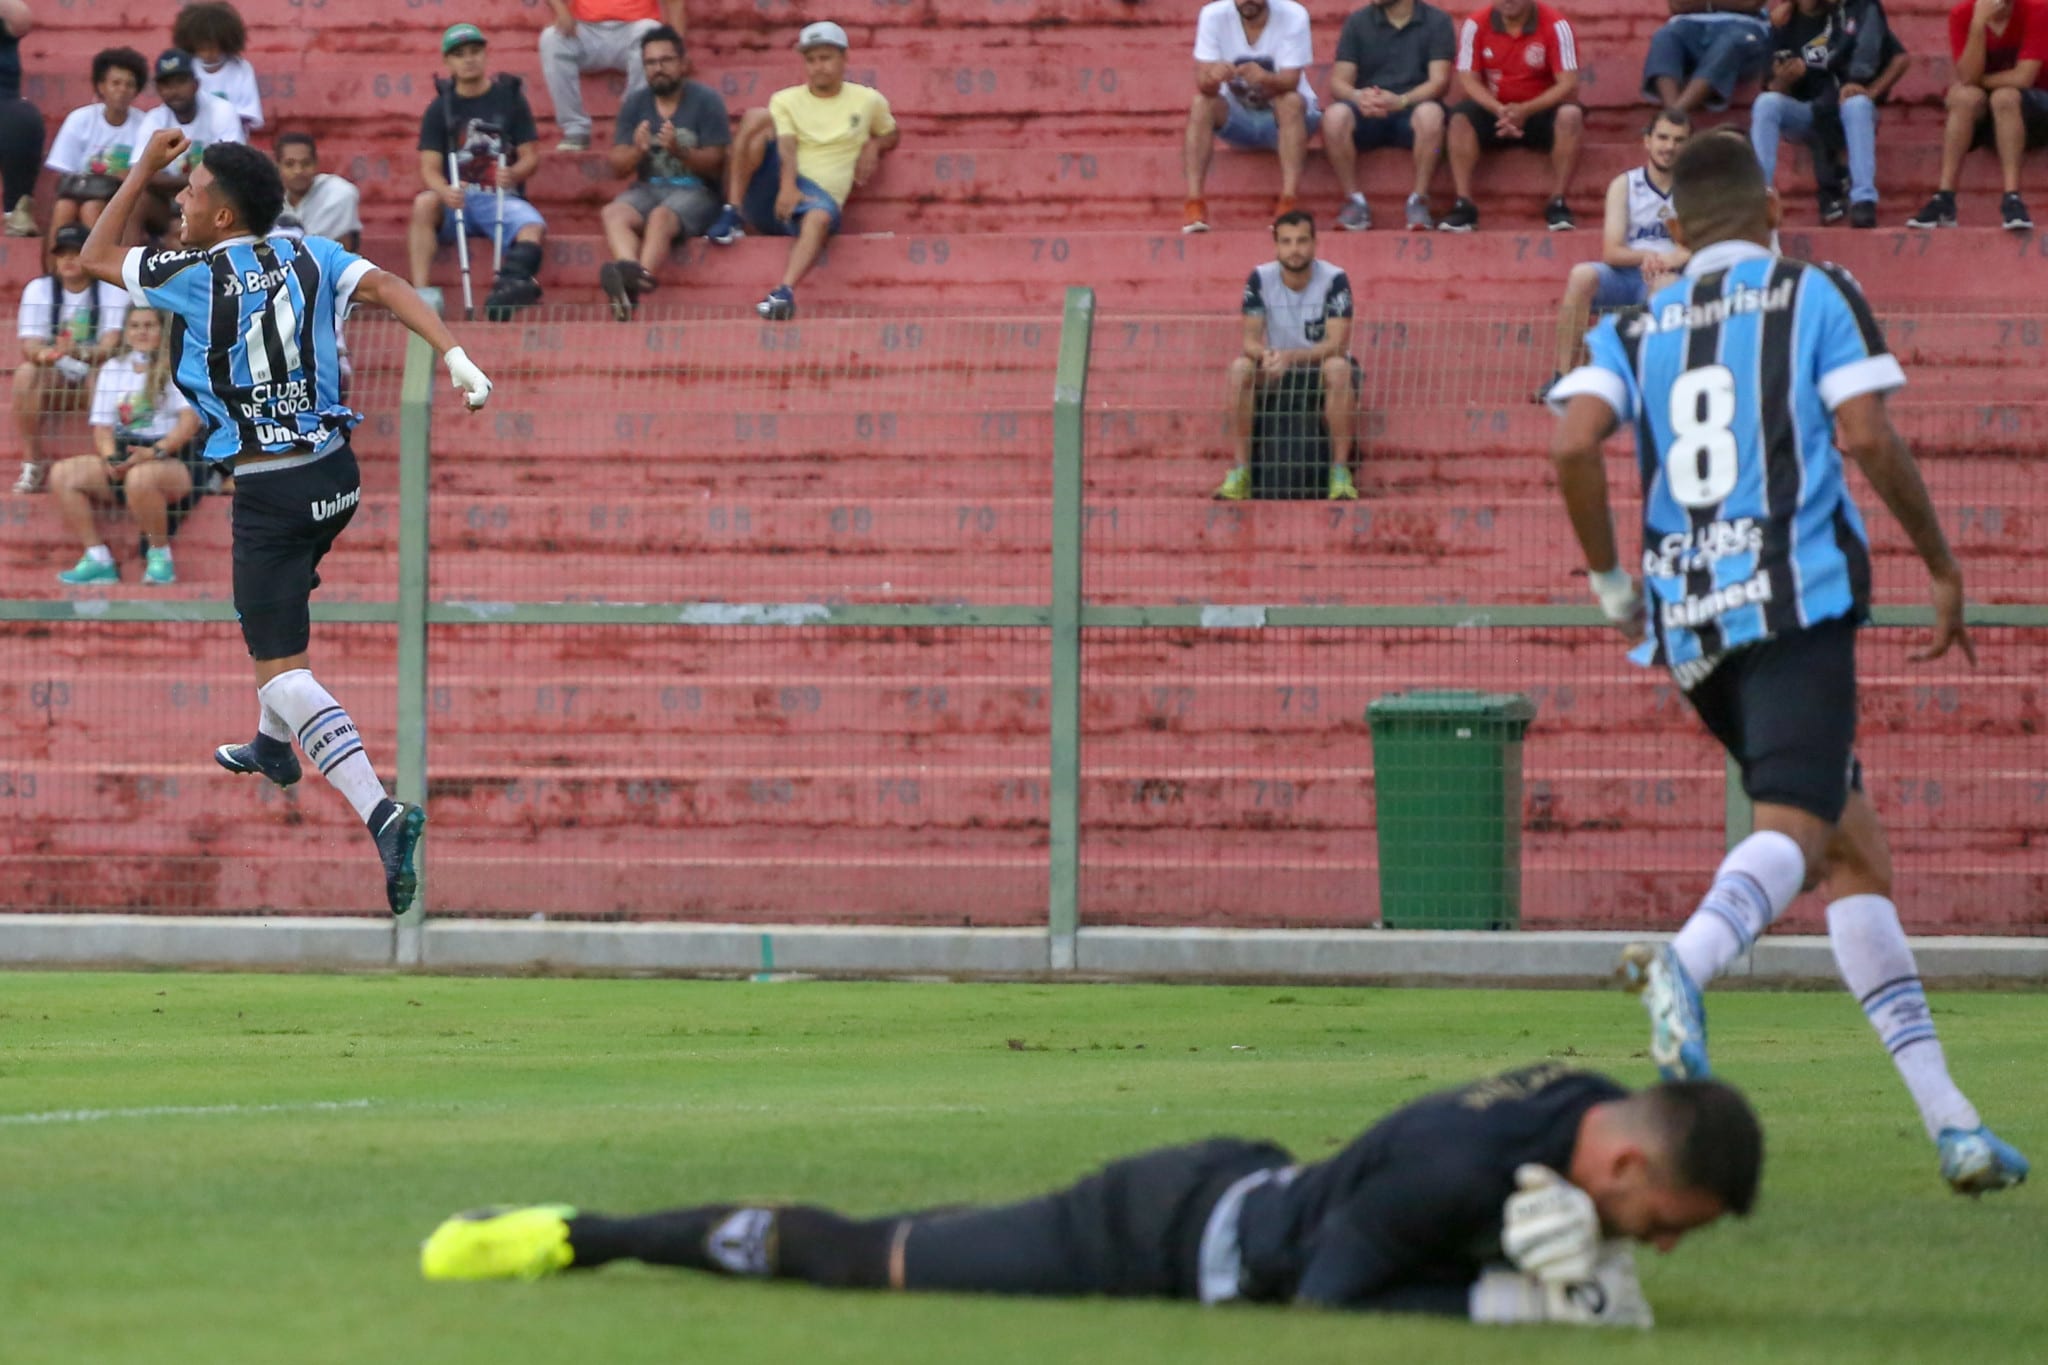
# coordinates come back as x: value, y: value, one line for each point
x: 21, y: 219
x: 31, y: 480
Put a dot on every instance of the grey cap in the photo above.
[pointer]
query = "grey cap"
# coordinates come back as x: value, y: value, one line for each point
x: 824, y: 33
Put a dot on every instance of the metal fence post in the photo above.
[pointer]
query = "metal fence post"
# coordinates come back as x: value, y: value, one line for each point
x: 415, y: 425
x: 1070, y: 391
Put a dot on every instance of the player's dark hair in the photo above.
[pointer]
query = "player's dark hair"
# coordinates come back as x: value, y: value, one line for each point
x: 120, y: 59
x: 1718, y: 190
x: 1294, y: 216
x: 1670, y: 114
x: 212, y: 24
x: 249, y: 182
x: 662, y: 33
x: 285, y: 140
x: 1713, y: 1139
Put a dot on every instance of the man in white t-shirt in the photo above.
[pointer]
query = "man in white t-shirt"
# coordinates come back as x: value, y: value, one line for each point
x: 95, y: 146
x: 1252, y: 90
x: 68, y: 324
x: 202, y: 121
x: 325, y: 205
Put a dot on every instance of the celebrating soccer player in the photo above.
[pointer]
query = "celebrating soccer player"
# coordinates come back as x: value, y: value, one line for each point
x: 1510, y: 1200
x: 257, y: 357
x: 1736, y: 379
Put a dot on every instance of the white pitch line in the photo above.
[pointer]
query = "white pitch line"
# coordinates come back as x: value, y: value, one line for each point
x: 157, y: 1111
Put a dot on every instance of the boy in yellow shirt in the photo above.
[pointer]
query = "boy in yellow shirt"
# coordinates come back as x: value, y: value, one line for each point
x: 832, y: 131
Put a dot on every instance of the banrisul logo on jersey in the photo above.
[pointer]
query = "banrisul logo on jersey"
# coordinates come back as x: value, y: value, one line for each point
x: 1686, y: 317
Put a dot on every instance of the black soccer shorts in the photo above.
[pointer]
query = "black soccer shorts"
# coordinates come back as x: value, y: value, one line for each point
x: 284, y: 521
x: 1132, y: 1229
x: 1785, y: 709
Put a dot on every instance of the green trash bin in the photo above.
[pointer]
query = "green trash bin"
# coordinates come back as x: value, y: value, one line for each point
x: 1447, y: 774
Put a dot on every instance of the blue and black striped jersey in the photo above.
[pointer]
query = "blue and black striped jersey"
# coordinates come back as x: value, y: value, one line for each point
x: 1730, y: 377
x: 253, y: 329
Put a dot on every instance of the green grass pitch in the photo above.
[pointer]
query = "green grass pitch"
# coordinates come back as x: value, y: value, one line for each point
x: 236, y: 1170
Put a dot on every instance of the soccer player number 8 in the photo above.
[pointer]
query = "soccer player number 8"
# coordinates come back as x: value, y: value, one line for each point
x: 1701, y: 466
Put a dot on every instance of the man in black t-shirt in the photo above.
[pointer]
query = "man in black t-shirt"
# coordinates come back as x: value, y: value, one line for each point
x: 1386, y: 90
x: 671, y: 138
x: 1547, y: 1171
x: 488, y: 125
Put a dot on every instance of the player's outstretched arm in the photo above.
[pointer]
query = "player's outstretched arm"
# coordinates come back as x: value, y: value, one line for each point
x: 1868, y: 437
x: 1582, y: 480
x: 103, y: 254
x: 405, y: 303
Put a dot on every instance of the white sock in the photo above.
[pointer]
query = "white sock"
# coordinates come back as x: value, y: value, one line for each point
x: 269, y: 724
x: 1878, y: 968
x: 327, y: 736
x: 100, y: 554
x: 1756, y: 881
x: 1357, y: 197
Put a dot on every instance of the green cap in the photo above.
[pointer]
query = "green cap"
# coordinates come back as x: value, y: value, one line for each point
x: 458, y: 35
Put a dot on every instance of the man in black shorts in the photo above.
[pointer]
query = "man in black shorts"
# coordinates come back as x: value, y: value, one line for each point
x: 1518, y: 68
x: 1386, y: 90
x: 1546, y: 1171
x: 256, y: 351
x: 1748, y: 381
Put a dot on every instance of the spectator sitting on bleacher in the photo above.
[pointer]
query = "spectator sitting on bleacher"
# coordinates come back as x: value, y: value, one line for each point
x: 216, y: 36
x: 1637, y: 255
x: 21, y: 126
x: 793, y: 164
x: 97, y: 141
x: 2001, y: 54
x: 202, y: 121
x: 597, y: 35
x: 671, y: 137
x: 1393, y: 67
x: 142, y: 430
x: 68, y: 324
x: 1707, y: 49
x: 1252, y: 90
x: 1831, y: 65
x: 324, y: 205
x: 479, y: 118
x: 1519, y: 67
x: 1297, y: 326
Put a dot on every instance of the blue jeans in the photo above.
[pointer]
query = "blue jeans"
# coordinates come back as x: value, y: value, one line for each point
x: 1723, y: 50
x: 1259, y: 129
x: 1777, y: 116
x: 757, y: 206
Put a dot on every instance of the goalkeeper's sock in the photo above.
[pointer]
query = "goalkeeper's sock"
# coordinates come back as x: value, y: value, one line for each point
x: 814, y: 1245
x: 1878, y: 968
x: 1756, y: 881
x: 327, y: 735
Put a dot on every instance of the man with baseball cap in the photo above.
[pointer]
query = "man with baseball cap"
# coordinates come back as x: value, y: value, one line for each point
x: 481, y: 128
x: 793, y: 164
x: 597, y: 35
x: 203, y: 122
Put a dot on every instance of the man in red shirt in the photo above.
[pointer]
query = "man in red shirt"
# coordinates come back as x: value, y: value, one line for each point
x: 2000, y: 49
x: 1519, y: 67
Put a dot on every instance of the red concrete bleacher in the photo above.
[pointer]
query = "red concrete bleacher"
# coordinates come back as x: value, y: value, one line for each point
x: 900, y: 776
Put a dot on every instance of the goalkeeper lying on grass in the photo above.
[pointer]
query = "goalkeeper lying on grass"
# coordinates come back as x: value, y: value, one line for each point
x: 1510, y: 1200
